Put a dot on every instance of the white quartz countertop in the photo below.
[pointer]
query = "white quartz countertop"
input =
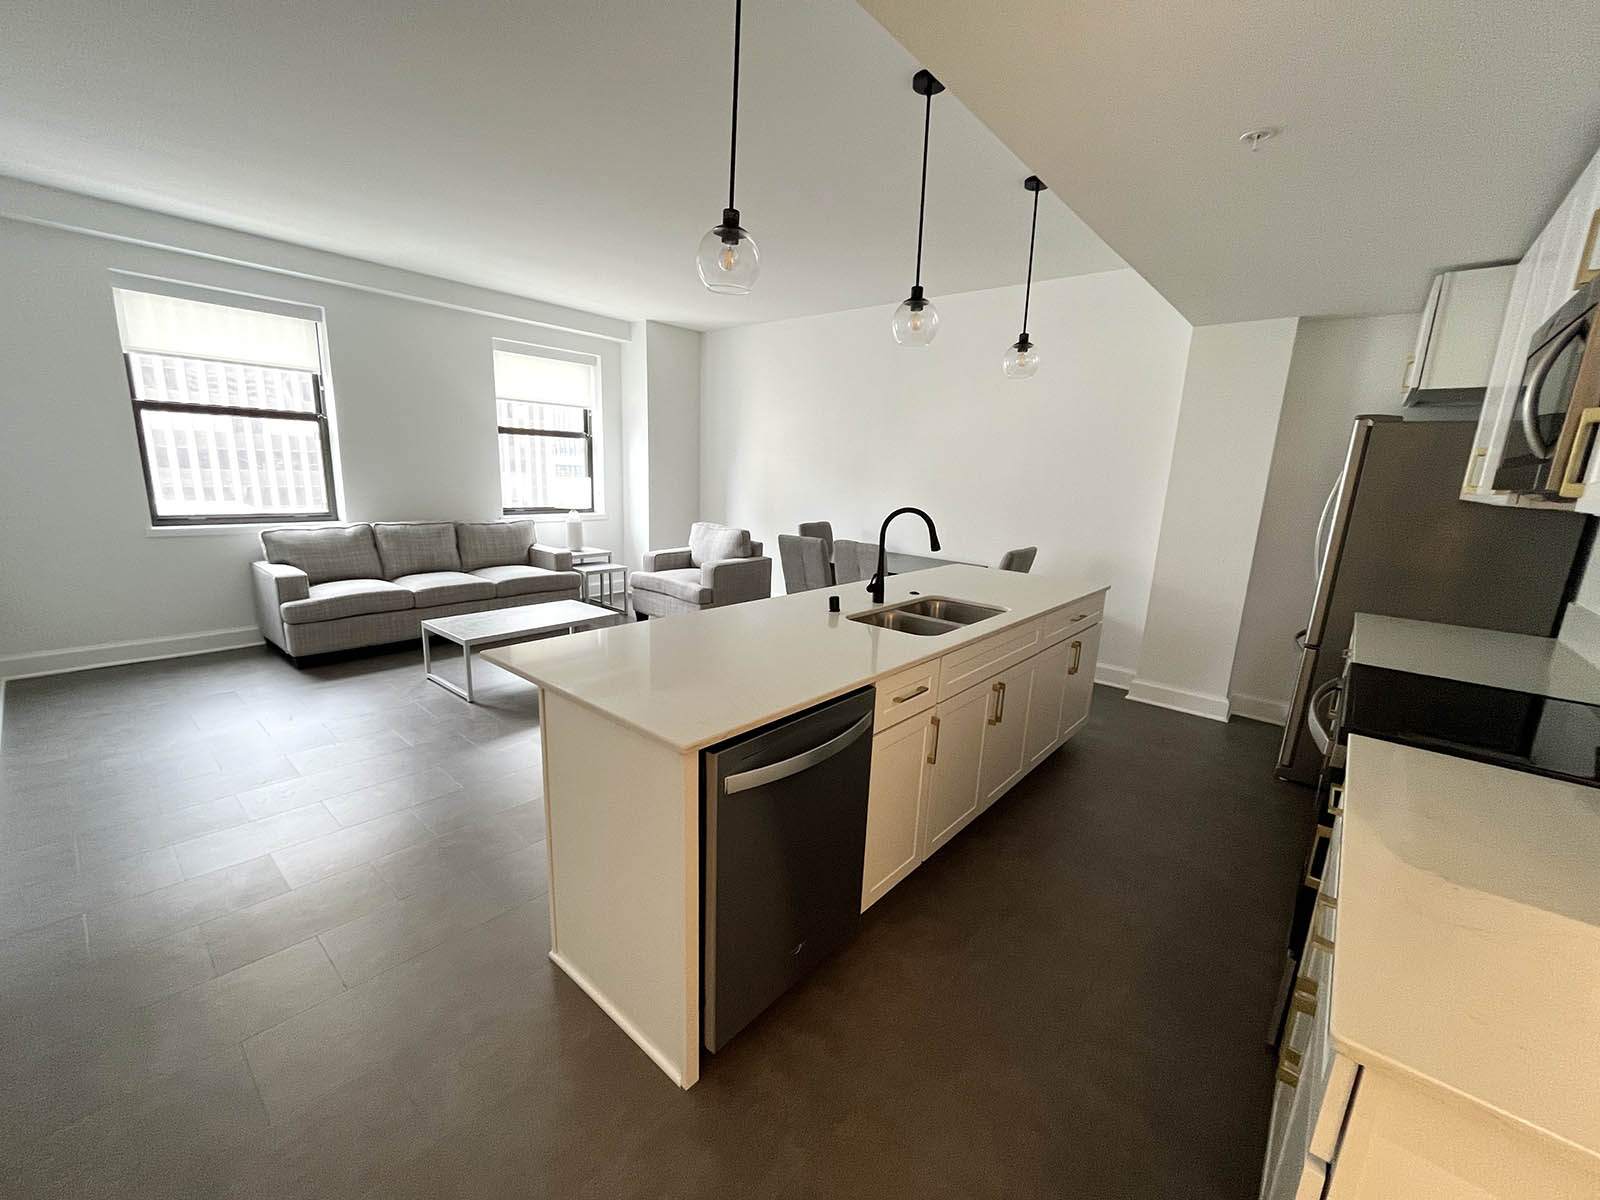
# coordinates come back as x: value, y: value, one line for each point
x: 1516, y: 661
x: 1468, y: 943
x: 696, y: 678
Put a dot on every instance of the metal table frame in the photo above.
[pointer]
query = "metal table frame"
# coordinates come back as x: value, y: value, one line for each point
x: 469, y: 644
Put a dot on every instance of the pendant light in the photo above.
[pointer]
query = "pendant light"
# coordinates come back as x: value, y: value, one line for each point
x: 916, y: 320
x: 1022, y: 358
x: 728, y: 260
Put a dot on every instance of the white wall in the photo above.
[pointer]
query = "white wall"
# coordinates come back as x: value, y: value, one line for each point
x: 1232, y: 393
x: 412, y: 392
x: 674, y: 433
x: 1342, y: 367
x: 825, y: 418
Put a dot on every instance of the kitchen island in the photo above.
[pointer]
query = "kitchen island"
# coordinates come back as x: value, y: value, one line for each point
x: 627, y: 711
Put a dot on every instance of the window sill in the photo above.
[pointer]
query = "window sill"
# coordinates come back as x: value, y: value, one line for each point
x: 183, y: 531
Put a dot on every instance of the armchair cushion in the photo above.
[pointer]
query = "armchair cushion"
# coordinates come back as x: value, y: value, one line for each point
x: 682, y: 583
x: 493, y: 543
x: 346, y: 598
x: 668, y: 560
x: 551, y: 558
x: 528, y: 581
x: 710, y: 542
x: 735, y: 580
x: 331, y: 552
x: 445, y: 587
x: 413, y: 548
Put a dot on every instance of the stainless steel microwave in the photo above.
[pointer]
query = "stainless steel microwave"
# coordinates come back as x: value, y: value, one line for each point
x: 1551, y: 430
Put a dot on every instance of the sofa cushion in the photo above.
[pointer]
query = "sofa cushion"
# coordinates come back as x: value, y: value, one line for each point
x: 684, y: 584
x: 345, y: 598
x: 413, y: 547
x: 334, y: 552
x: 710, y: 542
x: 445, y: 587
x: 527, y: 581
x: 493, y: 543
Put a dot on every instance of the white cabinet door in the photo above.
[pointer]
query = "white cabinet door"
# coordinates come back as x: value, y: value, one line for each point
x: 957, y: 751
x: 900, y: 772
x: 1005, y: 732
x: 1079, y: 691
x: 1044, y: 707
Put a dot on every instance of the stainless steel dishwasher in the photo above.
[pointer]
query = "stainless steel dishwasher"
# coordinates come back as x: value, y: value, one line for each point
x: 783, y: 834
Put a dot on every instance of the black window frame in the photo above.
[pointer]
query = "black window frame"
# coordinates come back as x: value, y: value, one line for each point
x: 588, y: 450
x: 319, y: 417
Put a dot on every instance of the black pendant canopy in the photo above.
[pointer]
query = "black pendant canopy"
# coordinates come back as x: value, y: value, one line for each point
x: 1022, y: 357
x: 728, y: 260
x: 916, y: 320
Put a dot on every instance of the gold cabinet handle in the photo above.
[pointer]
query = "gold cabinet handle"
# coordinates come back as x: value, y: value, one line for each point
x: 1002, y: 701
x: 933, y: 751
x: 1077, y: 657
x: 1405, y: 373
x: 1571, y: 485
x: 1324, y: 832
x: 1289, y: 1067
x: 999, y: 690
x: 911, y: 695
x: 1336, y: 795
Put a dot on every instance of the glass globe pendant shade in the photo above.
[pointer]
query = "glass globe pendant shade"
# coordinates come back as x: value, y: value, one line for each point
x: 728, y: 260
x: 915, y: 321
x: 1021, y: 359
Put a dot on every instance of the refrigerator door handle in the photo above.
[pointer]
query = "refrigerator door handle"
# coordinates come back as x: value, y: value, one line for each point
x: 1345, y: 502
x: 1319, y: 732
x: 1300, y: 638
x: 1319, y: 549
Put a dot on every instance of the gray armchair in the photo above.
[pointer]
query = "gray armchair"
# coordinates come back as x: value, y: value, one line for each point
x: 719, y: 566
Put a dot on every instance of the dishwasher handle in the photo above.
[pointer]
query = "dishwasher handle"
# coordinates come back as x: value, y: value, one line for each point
x: 761, y: 776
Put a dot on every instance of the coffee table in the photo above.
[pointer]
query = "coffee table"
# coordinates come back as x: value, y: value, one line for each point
x: 502, y: 626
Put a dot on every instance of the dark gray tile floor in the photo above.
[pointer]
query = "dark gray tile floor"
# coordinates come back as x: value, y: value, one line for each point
x: 279, y: 932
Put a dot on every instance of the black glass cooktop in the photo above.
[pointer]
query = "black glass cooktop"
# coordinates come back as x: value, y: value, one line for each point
x: 1521, y: 730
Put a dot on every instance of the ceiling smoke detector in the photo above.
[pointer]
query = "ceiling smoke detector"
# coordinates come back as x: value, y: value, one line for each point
x: 1252, y: 138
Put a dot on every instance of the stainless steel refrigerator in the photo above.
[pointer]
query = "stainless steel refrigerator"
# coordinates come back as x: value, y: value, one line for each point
x: 1397, y: 539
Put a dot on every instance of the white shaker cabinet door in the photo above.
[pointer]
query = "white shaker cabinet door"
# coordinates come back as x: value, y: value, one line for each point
x: 1049, y: 695
x: 900, y: 776
x: 1079, y: 692
x: 957, y: 753
x: 1005, y: 732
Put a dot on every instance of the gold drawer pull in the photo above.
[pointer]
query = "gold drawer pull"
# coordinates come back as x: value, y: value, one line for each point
x: 1289, y: 1066
x: 1324, y: 832
x: 1335, y: 798
x: 1571, y: 486
x: 911, y: 695
x: 1305, y: 986
x: 933, y: 751
x: 1327, y: 901
x: 1321, y: 942
x: 1077, y: 657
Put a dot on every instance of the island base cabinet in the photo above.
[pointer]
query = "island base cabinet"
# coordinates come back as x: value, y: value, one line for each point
x: 1046, y: 708
x: 901, y: 758
x: 1084, y: 651
x: 957, y: 758
x: 1004, y: 732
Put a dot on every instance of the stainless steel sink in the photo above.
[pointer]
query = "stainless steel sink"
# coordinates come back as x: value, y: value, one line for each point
x: 928, y: 616
x: 943, y: 608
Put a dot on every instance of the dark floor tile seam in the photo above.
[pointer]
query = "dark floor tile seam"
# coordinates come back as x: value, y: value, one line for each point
x: 173, y: 846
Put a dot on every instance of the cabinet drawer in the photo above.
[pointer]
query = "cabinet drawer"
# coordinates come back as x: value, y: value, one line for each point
x: 906, y: 693
x: 971, y: 665
x: 1065, y: 622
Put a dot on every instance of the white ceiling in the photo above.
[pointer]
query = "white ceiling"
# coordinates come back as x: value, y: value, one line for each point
x: 1416, y: 135
x: 574, y: 152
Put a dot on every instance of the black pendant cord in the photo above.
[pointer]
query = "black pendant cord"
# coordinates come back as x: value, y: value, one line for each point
x: 922, y: 198
x: 1027, y: 292
x: 733, y: 134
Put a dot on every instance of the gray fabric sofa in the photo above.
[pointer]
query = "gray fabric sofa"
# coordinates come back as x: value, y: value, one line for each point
x: 719, y: 566
x: 340, y: 587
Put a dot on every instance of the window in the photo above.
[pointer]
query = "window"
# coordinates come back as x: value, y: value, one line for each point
x: 229, y: 409
x: 546, y: 403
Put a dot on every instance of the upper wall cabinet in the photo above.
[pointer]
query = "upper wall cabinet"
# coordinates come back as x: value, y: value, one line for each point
x: 1541, y: 283
x: 1457, y: 340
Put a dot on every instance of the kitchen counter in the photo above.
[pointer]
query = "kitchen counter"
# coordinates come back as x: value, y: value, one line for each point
x: 691, y: 682
x: 1468, y: 954
x: 1514, y: 661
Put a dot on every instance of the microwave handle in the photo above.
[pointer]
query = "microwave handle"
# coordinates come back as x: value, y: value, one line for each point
x: 1530, y: 394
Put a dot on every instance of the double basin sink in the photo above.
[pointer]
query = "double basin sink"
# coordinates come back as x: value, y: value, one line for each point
x: 928, y: 616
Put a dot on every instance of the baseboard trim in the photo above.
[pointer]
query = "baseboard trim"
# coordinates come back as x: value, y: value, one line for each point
x: 114, y: 654
x: 1259, y: 708
x: 1117, y: 677
x: 1199, y: 704
x: 657, y: 1056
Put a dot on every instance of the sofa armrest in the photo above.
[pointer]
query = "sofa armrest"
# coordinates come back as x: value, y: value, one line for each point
x: 735, y: 580
x: 273, y: 585
x: 668, y: 560
x: 549, y: 557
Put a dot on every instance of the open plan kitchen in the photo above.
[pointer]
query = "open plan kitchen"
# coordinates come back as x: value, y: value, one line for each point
x: 840, y: 598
